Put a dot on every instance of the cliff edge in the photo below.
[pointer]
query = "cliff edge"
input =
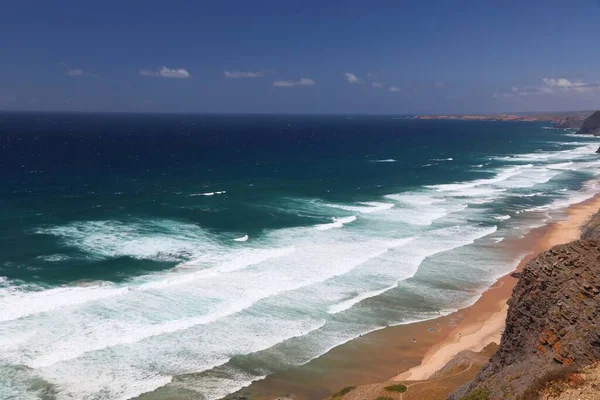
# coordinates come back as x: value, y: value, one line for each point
x: 552, y: 326
x: 591, y: 125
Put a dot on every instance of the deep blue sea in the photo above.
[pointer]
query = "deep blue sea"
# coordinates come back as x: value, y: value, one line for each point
x: 136, y: 248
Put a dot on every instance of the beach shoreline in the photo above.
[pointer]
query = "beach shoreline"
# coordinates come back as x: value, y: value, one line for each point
x: 473, y: 333
x: 389, y: 354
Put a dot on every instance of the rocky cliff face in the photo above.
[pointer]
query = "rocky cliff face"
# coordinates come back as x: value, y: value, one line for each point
x: 591, y: 125
x: 592, y: 229
x: 573, y: 122
x: 553, y: 321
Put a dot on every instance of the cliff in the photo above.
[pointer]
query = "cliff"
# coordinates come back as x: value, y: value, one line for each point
x: 552, y: 326
x: 572, y: 122
x: 591, y: 125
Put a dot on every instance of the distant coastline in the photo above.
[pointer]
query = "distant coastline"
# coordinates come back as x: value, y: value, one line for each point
x: 543, y: 117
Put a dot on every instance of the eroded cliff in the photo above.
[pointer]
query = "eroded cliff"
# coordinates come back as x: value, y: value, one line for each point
x: 553, y: 322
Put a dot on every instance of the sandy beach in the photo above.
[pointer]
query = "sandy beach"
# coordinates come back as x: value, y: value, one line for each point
x: 390, y: 353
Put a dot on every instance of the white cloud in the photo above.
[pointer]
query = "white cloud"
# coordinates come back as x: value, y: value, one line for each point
x: 306, y: 81
x: 284, y: 83
x: 567, y: 85
x: 71, y: 71
x: 240, y: 74
x: 376, y: 84
x: 550, y: 86
x: 352, y: 78
x: 395, y: 89
x: 75, y: 72
x: 299, y: 82
x: 560, y: 82
x: 164, y: 72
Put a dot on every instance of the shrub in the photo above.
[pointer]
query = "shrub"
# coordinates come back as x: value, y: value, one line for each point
x: 553, y: 381
x: 344, y: 391
x: 478, y: 394
x: 396, y: 388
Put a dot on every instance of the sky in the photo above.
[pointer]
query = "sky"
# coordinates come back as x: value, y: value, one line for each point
x: 277, y: 56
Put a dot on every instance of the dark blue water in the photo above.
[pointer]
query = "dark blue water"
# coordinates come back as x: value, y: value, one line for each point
x: 102, y: 214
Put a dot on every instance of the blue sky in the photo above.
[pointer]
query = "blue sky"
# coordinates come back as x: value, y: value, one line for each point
x: 300, y: 57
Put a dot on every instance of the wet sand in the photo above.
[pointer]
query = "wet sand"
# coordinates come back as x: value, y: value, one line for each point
x: 391, y: 354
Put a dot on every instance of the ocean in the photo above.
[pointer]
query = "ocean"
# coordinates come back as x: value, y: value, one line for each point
x: 136, y: 249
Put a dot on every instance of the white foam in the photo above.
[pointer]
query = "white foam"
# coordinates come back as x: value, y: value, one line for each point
x: 337, y: 223
x: 365, y: 207
x: 502, y: 217
x: 208, y: 193
x: 581, y: 135
x: 160, y: 240
x: 54, y: 257
x: 347, y: 304
x: 421, y: 208
x: 229, y: 263
x: 241, y: 239
x: 528, y: 194
x: 387, y: 160
x: 25, y: 302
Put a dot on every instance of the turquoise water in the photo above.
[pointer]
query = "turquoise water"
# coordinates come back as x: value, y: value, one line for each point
x: 136, y: 248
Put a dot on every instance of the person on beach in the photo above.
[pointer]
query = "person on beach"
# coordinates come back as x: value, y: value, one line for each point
x: 414, y: 341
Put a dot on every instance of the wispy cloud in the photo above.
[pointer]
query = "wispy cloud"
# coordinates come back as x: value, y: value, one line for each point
x: 550, y: 86
x: 395, y: 89
x: 241, y: 74
x: 71, y: 71
x: 75, y: 72
x: 352, y: 78
x: 299, y: 82
x: 376, y: 84
x: 164, y: 72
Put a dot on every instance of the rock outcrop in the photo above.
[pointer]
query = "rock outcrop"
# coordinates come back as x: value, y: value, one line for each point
x: 553, y: 322
x: 572, y: 122
x: 591, y: 125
